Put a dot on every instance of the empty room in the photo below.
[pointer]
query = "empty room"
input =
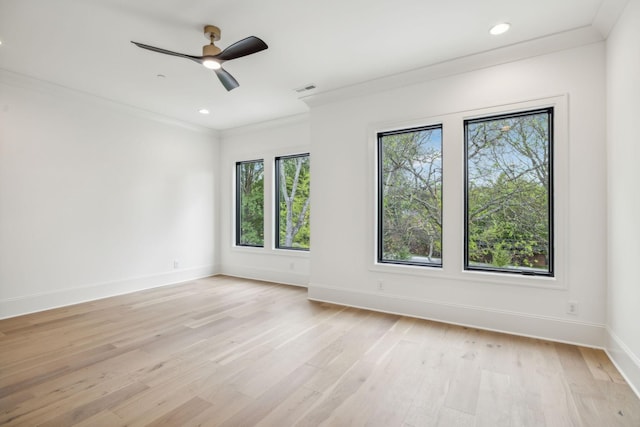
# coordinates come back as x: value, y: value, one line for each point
x: 319, y: 213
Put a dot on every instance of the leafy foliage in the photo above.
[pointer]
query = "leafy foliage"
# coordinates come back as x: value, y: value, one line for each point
x: 508, y: 172
x: 411, y: 187
x: 251, y: 203
x: 294, y: 191
x: 508, y: 193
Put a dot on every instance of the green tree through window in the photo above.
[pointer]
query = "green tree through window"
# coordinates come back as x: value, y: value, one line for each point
x: 293, y: 187
x: 509, y: 193
x: 410, y: 196
x: 250, y: 203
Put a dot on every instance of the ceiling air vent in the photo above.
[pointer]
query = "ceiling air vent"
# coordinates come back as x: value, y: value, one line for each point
x: 305, y: 88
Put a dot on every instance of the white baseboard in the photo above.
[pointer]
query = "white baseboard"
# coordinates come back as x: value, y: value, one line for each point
x: 18, y: 306
x: 276, y: 276
x: 627, y: 363
x: 548, y: 328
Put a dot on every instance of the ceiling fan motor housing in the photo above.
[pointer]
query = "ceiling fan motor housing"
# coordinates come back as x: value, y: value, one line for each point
x: 211, y: 32
x: 210, y: 50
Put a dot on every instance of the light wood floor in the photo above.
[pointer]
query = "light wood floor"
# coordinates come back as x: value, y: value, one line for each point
x: 229, y: 352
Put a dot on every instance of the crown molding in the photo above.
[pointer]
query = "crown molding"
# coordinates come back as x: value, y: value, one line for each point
x: 518, y: 51
x: 269, y: 124
x: 11, y: 78
x: 607, y: 15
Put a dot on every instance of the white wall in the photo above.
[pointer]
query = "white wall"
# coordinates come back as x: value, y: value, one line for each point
x: 97, y: 199
x: 623, y: 142
x: 343, y: 199
x: 263, y: 141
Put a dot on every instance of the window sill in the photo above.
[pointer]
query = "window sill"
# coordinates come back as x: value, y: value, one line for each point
x: 464, y: 276
x: 270, y: 251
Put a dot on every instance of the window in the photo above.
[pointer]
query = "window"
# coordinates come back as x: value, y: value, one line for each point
x: 250, y: 203
x: 509, y: 193
x: 292, y: 201
x: 410, y: 196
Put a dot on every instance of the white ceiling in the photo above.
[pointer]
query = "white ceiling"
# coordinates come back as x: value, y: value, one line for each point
x: 85, y: 45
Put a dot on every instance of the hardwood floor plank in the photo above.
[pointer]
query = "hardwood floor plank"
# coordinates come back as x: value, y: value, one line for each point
x: 394, y: 384
x: 448, y: 417
x: 464, y: 387
x: 223, y: 351
x: 115, y: 370
x: 271, y: 398
x: 104, y: 418
x: 559, y: 405
x: 225, y: 402
x: 438, y: 370
x: 494, y: 400
x: 291, y: 408
x: 337, y: 395
x: 74, y: 406
x: 174, y: 390
x: 82, y: 412
x: 600, y: 366
x: 13, y: 401
x: 182, y: 414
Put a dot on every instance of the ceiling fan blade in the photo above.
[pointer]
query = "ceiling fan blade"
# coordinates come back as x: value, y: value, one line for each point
x: 197, y: 59
x: 226, y: 79
x: 242, y: 48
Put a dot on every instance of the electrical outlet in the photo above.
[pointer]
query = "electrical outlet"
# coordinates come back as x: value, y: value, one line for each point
x: 380, y: 285
x: 572, y: 307
x: 176, y: 264
x: 292, y: 266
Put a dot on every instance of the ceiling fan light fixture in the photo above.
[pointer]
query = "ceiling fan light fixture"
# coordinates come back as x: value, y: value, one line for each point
x: 211, y: 64
x: 213, y: 57
x: 500, y: 28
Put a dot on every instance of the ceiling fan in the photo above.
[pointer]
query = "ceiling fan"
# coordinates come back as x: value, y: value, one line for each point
x: 213, y: 57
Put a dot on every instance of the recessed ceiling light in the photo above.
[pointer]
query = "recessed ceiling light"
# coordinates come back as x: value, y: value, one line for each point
x: 203, y: 111
x: 500, y: 28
